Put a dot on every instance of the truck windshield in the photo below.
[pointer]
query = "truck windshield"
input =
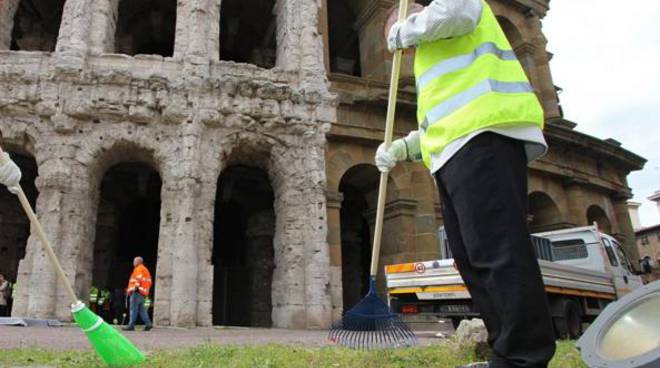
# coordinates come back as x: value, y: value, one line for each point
x: 610, y: 252
x: 569, y: 249
x: 622, y: 256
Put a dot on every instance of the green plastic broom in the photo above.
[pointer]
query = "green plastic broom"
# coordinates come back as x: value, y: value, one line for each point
x: 114, y: 349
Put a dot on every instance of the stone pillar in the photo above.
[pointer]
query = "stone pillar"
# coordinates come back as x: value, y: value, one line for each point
x: 180, y: 233
x: 334, y: 200
x: 103, y: 26
x: 301, y: 281
x: 7, y: 11
x: 197, y: 30
x: 73, y: 37
x: 259, y: 242
x: 577, y: 208
x: 299, y: 44
x: 67, y: 214
x: 626, y: 232
x: 544, y: 84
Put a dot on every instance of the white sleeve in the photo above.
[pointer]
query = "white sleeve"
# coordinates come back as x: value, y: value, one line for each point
x: 441, y: 19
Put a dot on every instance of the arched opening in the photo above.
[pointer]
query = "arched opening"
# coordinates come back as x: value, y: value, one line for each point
x: 243, y: 253
x: 359, y: 186
x: 146, y: 27
x: 597, y: 214
x: 127, y: 226
x: 36, y: 25
x: 14, y: 223
x: 544, y: 213
x: 343, y: 38
x: 248, y: 32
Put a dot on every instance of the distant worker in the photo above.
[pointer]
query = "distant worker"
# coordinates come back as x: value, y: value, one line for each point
x: 5, y: 294
x: 138, y: 289
x: 480, y: 124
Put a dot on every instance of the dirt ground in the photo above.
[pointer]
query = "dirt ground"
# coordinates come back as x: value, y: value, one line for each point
x: 72, y: 338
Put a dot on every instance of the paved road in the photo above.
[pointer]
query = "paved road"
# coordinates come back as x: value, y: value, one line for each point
x: 71, y: 338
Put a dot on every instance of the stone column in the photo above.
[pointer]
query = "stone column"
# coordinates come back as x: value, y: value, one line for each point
x: 544, y: 84
x: 577, y: 209
x: 7, y: 11
x: 73, y: 37
x: 334, y: 200
x: 301, y: 281
x: 180, y: 232
x: 626, y: 232
x: 67, y: 214
x: 299, y: 44
x: 103, y: 26
x: 197, y: 30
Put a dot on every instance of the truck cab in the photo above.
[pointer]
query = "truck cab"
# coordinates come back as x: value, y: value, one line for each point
x: 583, y: 270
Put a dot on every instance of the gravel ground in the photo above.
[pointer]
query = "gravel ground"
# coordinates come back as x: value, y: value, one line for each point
x: 72, y: 338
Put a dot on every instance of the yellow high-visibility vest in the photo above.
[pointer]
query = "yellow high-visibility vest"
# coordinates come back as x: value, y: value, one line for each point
x: 469, y: 83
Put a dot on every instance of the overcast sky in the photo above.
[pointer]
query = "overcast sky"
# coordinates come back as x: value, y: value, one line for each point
x: 607, y: 60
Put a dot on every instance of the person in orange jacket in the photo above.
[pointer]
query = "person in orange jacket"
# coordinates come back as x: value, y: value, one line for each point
x: 138, y: 289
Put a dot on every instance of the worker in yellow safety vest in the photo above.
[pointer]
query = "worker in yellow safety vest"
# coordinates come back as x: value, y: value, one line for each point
x: 480, y: 124
x: 138, y: 290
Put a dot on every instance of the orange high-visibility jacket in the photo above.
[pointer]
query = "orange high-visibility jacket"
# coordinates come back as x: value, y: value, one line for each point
x: 140, y: 278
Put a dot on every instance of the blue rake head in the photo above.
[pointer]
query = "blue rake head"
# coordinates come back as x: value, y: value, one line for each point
x: 371, y: 325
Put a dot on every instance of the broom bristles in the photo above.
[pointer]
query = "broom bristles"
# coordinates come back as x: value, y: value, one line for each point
x: 114, y: 348
x: 371, y: 325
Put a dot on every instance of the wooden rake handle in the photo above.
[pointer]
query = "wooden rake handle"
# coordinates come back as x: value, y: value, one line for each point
x: 42, y: 236
x: 389, y: 130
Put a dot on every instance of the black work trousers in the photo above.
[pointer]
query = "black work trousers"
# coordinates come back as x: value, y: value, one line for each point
x: 484, y: 204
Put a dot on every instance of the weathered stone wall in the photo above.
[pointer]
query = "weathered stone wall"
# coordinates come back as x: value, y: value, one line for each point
x: 86, y: 110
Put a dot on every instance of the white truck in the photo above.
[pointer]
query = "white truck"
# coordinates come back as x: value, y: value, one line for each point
x: 583, y: 270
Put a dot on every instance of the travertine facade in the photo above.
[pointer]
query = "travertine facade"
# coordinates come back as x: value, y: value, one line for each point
x: 92, y: 109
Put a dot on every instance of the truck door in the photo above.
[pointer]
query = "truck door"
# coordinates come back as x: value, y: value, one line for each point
x: 619, y: 272
x: 634, y: 281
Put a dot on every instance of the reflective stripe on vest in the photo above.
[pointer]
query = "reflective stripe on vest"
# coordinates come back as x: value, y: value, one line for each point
x: 469, y: 83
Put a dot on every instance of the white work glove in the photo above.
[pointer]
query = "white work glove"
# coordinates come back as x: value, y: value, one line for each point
x: 407, y: 148
x: 394, y: 38
x: 10, y: 174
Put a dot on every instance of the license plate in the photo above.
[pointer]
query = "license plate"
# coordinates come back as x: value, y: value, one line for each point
x: 460, y: 308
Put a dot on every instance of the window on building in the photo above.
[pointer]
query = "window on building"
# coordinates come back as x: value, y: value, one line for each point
x: 146, y: 27
x: 564, y: 250
x: 343, y: 38
x: 248, y: 32
x: 36, y: 25
x: 645, y: 239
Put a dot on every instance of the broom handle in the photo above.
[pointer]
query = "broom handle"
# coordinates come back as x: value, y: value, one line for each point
x: 389, y: 130
x: 42, y: 236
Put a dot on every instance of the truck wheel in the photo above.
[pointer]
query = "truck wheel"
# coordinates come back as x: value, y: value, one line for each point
x: 569, y: 324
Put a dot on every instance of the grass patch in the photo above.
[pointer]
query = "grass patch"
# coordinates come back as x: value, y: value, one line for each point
x: 270, y: 356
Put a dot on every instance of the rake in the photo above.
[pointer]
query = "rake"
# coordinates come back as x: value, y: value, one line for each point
x: 371, y: 324
x: 114, y: 349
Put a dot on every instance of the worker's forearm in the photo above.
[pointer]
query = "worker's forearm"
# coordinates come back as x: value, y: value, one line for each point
x: 441, y: 19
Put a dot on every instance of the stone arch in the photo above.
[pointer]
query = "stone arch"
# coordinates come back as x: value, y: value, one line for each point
x: 597, y: 214
x: 248, y: 32
x: 341, y: 159
x: 344, y: 41
x: 544, y: 213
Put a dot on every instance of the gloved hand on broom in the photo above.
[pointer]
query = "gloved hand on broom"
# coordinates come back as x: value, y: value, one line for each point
x: 404, y: 149
x: 10, y: 174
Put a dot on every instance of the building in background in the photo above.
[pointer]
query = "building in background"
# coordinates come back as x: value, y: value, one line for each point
x: 230, y: 143
x: 648, y: 242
